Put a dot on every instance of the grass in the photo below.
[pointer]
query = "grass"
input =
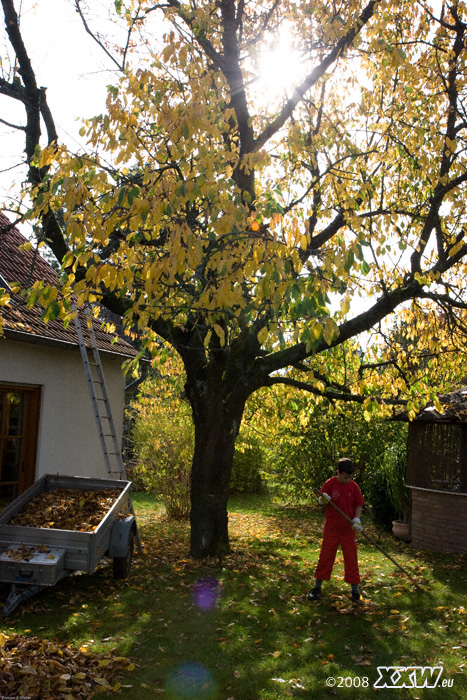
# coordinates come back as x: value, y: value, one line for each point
x: 262, y: 640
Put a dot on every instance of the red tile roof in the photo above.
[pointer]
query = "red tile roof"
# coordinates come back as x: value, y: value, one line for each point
x: 23, y: 323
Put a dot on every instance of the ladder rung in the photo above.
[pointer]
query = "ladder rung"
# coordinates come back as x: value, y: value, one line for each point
x: 91, y: 358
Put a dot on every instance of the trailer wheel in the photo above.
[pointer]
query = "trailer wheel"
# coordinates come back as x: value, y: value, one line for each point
x: 122, y: 565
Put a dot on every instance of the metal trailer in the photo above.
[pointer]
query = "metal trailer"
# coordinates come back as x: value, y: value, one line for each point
x: 52, y: 554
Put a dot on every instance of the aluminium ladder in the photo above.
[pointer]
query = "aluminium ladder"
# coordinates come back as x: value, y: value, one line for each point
x: 100, y: 400
x: 111, y: 451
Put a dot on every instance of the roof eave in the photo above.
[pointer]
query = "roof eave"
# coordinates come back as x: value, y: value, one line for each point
x: 35, y: 339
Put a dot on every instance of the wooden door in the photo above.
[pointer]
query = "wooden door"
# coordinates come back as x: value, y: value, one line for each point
x: 19, y: 422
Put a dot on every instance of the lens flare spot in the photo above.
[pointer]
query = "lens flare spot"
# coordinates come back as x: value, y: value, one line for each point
x: 206, y: 592
x: 191, y: 681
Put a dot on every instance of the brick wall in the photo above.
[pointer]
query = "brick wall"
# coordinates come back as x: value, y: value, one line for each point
x: 439, y: 521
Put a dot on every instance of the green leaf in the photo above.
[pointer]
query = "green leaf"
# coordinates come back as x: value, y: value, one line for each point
x: 364, y: 268
x: 121, y: 196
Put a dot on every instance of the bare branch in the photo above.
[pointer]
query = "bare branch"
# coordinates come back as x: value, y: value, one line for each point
x: 120, y: 66
x: 18, y: 127
x: 33, y: 97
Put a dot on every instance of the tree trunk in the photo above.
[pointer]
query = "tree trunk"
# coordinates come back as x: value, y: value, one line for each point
x: 216, y: 428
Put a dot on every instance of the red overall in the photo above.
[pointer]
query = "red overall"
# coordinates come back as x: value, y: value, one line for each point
x: 338, y: 530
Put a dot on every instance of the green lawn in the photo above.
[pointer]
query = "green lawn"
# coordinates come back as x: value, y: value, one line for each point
x: 261, y: 639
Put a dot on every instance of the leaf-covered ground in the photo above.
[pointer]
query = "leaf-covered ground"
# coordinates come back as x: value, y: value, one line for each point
x: 34, y: 667
x: 243, y: 629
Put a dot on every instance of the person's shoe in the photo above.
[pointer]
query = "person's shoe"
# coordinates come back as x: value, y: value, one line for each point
x: 314, y: 594
x: 355, y: 596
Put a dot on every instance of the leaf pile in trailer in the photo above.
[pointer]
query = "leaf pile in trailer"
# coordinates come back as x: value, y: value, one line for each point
x: 33, y: 667
x: 67, y: 509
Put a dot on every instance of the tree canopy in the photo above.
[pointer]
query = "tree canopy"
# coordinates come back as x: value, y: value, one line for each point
x: 252, y: 233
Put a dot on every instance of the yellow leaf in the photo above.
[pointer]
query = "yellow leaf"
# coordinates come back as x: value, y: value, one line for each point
x: 330, y: 331
x: 220, y: 333
x: 455, y: 249
x: 3, y: 639
x: 317, y: 329
x: 101, y: 680
x: 262, y: 335
x: 116, y: 687
x: 276, y: 654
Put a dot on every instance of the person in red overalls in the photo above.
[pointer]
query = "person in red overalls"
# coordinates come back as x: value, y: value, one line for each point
x: 346, y: 494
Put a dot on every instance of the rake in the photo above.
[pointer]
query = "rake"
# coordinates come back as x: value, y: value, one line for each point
x: 388, y: 556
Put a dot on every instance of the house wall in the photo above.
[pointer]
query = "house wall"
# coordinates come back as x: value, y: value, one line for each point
x: 68, y: 439
x: 439, y: 521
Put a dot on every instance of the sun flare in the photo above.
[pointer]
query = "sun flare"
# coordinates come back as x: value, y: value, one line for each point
x: 280, y: 67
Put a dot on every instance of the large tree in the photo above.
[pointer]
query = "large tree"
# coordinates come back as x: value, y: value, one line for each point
x: 251, y: 233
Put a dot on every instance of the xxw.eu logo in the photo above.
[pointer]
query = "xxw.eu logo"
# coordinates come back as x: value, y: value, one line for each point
x: 409, y: 677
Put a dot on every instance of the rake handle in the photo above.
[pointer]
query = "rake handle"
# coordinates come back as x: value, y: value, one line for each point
x: 377, y: 546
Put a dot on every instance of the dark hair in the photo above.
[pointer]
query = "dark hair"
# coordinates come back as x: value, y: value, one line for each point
x: 345, y: 465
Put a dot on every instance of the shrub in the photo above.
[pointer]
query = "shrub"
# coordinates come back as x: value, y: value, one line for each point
x: 247, y: 467
x: 163, y: 445
x: 307, y: 439
x: 377, y: 497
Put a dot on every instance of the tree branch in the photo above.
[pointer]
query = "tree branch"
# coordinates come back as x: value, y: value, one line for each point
x: 120, y: 66
x: 331, y: 395
x: 313, y: 77
x: 18, y: 127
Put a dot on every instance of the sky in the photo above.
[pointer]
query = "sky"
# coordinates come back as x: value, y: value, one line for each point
x: 72, y: 67
x: 76, y: 71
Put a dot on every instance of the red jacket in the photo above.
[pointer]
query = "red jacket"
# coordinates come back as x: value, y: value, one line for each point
x: 347, y: 497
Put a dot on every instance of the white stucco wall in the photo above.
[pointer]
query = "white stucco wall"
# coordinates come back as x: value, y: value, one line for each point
x: 68, y: 439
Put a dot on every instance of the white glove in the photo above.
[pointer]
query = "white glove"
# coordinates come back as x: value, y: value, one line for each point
x: 324, y: 499
x: 357, y: 525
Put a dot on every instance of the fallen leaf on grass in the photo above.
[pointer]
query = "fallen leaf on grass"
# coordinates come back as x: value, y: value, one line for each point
x: 362, y: 661
x: 33, y: 667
